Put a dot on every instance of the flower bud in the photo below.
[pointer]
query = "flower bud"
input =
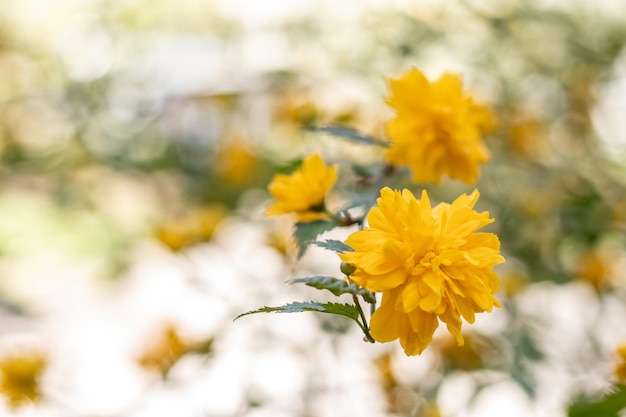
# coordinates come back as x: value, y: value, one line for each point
x: 347, y: 268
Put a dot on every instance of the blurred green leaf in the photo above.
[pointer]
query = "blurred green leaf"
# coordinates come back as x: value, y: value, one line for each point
x: 350, y: 134
x: 608, y: 406
x: 336, y: 286
x: 305, y: 233
x: 525, y: 352
x: 334, y: 245
x: 289, y: 166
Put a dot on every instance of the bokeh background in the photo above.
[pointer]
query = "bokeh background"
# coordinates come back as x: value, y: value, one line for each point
x: 137, y: 138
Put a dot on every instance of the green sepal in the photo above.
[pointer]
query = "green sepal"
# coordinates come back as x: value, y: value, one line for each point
x: 345, y: 310
x: 350, y: 134
x: 305, y: 233
x: 608, y: 406
x: 331, y: 244
x: 335, y: 286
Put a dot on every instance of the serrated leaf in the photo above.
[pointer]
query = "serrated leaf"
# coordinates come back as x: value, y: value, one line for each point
x: 304, y: 233
x: 350, y: 134
x: 331, y: 244
x: 335, y: 286
x: 608, y: 406
x: 345, y: 310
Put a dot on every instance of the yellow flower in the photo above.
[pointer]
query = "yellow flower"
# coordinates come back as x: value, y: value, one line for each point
x: 304, y: 191
x: 430, y: 264
x: 19, y: 377
x: 437, y: 129
x: 620, y: 368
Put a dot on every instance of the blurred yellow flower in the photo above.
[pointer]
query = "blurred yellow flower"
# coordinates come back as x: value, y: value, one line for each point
x: 429, y: 410
x: 468, y: 357
x: 304, y: 191
x: 236, y: 163
x: 430, y: 264
x: 168, y: 348
x: 595, y: 267
x: 163, y: 354
x: 513, y: 283
x: 298, y: 109
x: 437, y: 129
x: 526, y: 137
x: 19, y: 377
x: 400, y: 398
x: 195, y: 226
x: 620, y: 368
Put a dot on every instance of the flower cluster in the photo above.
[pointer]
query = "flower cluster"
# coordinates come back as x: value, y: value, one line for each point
x: 431, y: 264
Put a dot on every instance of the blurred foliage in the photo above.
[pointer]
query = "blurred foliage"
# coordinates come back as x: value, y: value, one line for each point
x: 609, y: 405
x: 123, y: 122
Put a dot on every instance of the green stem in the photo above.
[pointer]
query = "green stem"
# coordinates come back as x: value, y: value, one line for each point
x: 364, y: 327
x: 344, y: 219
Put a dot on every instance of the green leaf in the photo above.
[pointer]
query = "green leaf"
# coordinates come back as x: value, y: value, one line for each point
x: 334, y: 245
x: 305, y: 233
x: 289, y: 166
x: 345, y: 310
x: 365, y: 202
x: 336, y: 286
x: 608, y: 406
x: 350, y: 134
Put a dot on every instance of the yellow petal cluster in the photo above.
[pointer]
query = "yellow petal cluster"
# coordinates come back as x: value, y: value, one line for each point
x: 304, y: 191
x: 430, y: 264
x: 437, y: 129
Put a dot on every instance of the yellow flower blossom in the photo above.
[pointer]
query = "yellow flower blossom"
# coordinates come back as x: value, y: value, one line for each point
x: 19, y: 377
x: 430, y: 264
x: 304, y: 191
x: 437, y: 128
x: 620, y: 367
